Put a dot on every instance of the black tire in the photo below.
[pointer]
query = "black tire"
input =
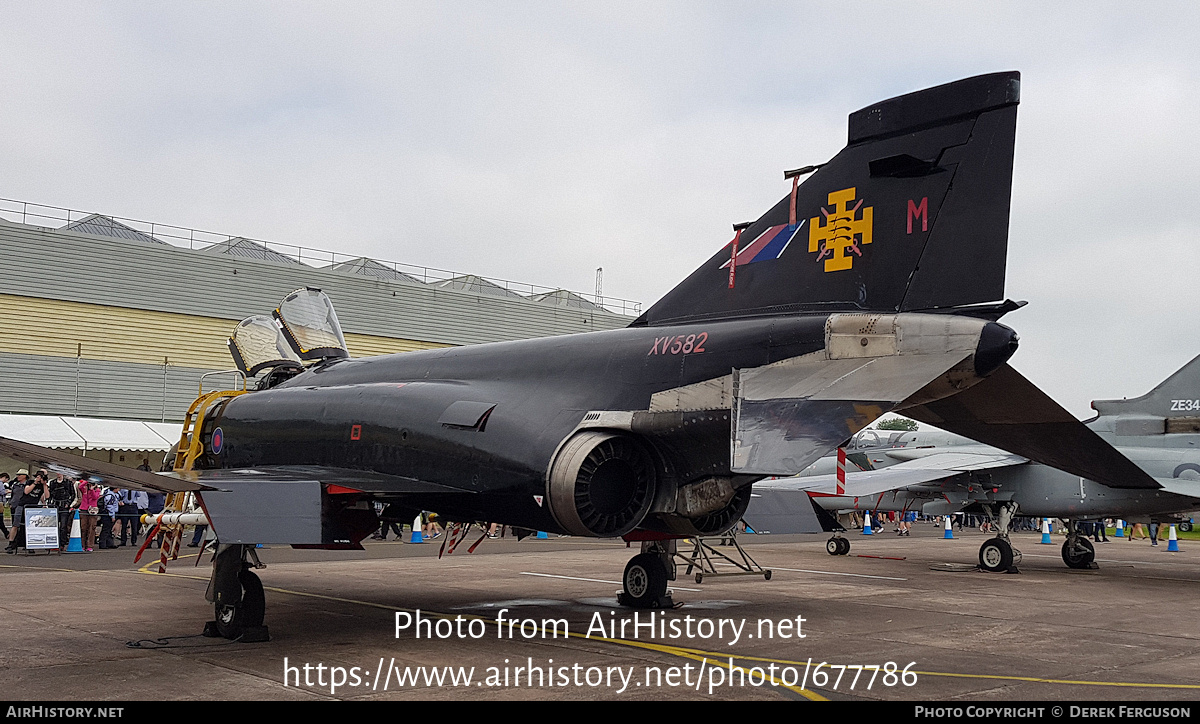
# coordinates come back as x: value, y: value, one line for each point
x: 845, y: 546
x: 645, y: 581
x: 232, y: 619
x: 833, y: 546
x: 996, y: 556
x: 1081, y: 556
x: 1185, y: 526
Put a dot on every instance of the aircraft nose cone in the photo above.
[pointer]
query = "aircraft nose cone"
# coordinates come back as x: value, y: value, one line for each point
x: 996, y: 344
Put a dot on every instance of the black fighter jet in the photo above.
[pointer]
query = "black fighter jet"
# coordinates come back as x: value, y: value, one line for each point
x: 874, y: 286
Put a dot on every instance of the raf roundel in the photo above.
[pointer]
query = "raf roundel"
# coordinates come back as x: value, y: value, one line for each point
x: 218, y: 441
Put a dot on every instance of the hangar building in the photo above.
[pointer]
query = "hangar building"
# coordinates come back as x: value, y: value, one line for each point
x: 105, y: 317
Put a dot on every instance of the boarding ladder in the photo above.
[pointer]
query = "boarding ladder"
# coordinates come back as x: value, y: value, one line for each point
x: 189, y: 449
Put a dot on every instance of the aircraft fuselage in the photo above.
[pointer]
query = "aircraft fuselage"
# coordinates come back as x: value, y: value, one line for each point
x: 383, y: 413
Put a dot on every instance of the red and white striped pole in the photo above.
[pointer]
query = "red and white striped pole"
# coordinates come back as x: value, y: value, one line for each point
x: 841, y: 472
x: 733, y: 252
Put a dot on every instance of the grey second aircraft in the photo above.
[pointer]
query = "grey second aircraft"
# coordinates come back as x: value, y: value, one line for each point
x: 936, y: 473
x: 875, y: 285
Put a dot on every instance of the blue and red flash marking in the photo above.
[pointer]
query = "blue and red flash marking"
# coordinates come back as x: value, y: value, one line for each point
x: 768, y: 245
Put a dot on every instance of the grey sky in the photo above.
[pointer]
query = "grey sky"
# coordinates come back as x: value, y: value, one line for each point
x: 538, y: 141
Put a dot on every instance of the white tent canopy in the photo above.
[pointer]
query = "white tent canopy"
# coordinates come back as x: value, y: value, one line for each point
x: 90, y: 433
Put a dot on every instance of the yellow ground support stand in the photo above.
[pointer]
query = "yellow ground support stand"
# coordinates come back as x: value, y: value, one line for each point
x: 191, y: 446
x: 190, y: 443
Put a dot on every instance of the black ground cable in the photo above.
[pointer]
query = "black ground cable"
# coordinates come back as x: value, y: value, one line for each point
x: 163, y: 643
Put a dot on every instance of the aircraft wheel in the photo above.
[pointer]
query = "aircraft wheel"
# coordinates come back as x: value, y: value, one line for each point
x: 1185, y: 526
x: 996, y: 556
x: 834, y: 546
x: 1081, y: 555
x: 233, y: 619
x: 845, y: 546
x: 645, y: 581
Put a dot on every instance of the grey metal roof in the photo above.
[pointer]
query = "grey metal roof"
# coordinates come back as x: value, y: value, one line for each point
x: 563, y: 298
x: 476, y: 284
x: 371, y: 268
x: 44, y: 263
x: 107, y: 226
x: 241, y: 246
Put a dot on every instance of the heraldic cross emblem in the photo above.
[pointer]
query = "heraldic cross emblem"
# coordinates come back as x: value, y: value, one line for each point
x: 839, y: 233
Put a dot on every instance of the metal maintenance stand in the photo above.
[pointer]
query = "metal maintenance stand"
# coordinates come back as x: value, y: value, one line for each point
x: 705, y: 556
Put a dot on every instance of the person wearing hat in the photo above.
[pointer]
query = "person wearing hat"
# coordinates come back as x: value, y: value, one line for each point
x: 32, y: 493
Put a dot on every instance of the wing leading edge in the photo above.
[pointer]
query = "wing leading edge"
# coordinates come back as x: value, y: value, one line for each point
x: 103, y: 472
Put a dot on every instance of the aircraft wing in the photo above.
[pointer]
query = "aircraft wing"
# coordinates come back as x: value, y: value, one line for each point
x: 1181, y: 486
x: 914, y: 472
x: 105, y: 473
x: 230, y: 479
x: 1009, y: 412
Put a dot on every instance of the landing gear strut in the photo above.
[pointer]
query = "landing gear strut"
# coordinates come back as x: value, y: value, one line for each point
x: 997, y: 555
x: 1078, y: 551
x: 237, y: 596
x: 646, y: 576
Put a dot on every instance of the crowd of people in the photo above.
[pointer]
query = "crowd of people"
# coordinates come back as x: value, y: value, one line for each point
x: 1097, y: 530
x: 111, y: 517
x: 108, y: 517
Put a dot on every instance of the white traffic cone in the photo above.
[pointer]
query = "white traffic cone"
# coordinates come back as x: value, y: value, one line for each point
x: 416, y: 536
x: 1046, y: 532
x: 866, y: 523
x: 949, y: 534
x: 1172, y: 541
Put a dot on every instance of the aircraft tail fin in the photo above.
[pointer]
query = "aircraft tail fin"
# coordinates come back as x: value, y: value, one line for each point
x: 1173, y: 406
x: 911, y: 215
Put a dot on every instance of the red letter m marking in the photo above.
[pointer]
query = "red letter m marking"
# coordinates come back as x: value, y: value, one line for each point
x: 923, y: 211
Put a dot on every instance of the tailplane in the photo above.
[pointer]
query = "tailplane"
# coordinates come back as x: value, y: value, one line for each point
x: 911, y: 215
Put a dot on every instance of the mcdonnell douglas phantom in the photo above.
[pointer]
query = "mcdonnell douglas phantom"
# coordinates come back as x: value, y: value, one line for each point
x: 873, y: 286
x: 938, y: 473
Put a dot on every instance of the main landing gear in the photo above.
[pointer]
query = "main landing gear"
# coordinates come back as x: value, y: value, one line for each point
x: 1077, y: 551
x: 646, y: 576
x: 237, y: 596
x: 997, y: 555
x: 837, y: 546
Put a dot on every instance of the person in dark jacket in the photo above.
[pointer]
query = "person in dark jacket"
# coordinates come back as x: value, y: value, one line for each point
x: 62, y: 497
x: 33, y: 493
x: 4, y: 485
